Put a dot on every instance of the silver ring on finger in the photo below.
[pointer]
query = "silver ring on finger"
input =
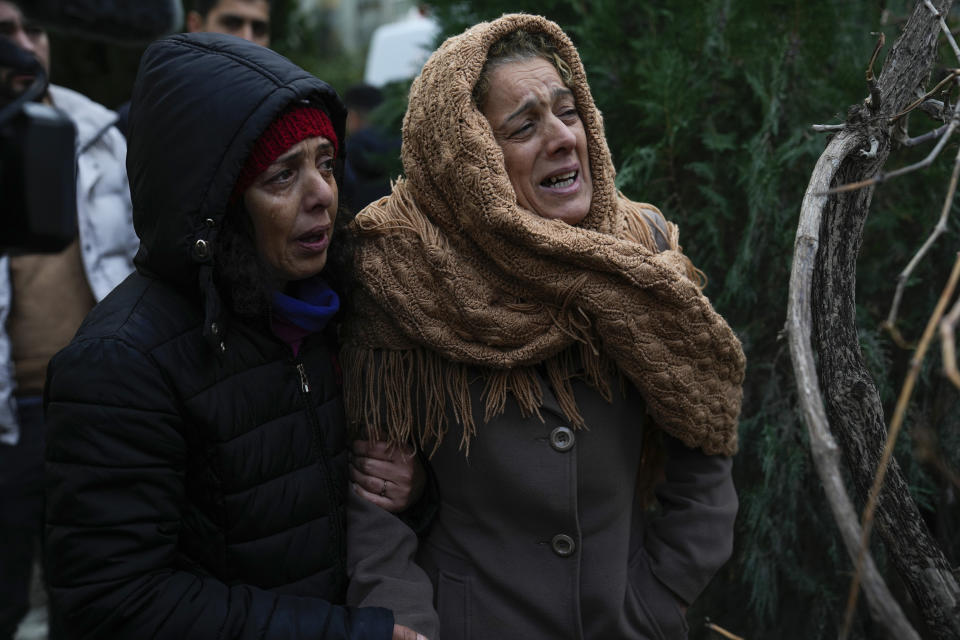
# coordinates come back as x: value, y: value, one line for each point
x: 383, y: 490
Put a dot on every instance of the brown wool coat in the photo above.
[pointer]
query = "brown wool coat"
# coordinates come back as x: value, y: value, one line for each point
x: 498, y: 568
x: 494, y: 554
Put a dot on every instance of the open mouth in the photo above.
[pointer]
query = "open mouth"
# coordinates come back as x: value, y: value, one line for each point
x: 312, y: 238
x: 561, y: 180
x: 316, y: 240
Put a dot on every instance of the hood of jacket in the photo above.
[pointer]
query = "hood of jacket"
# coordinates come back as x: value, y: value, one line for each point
x: 200, y: 101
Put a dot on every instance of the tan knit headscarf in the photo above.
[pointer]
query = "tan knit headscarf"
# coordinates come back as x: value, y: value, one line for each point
x: 457, y: 282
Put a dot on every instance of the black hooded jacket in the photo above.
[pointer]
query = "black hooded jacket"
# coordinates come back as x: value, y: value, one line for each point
x: 196, y: 467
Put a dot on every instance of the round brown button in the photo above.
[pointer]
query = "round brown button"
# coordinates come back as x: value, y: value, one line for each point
x: 563, y: 545
x: 562, y: 439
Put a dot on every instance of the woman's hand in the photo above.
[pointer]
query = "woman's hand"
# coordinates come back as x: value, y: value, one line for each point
x: 388, y: 476
x: 401, y: 632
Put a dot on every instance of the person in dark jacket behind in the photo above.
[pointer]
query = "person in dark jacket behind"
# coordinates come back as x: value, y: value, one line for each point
x: 371, y: 151
x: 196, y: 460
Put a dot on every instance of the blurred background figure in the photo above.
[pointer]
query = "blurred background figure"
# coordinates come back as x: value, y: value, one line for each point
x: 371, y: 151
x: 43, y: 299
x: 398, y: 49
x: 247, y: 19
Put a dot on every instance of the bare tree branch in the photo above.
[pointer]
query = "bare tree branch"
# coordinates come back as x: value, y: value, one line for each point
x: 828, y: 243
x: 922, y: 164
x: 828, y: 127
x: 940, y: 228
x: 926, y: 137
x: 826, y: 454
x: 935, y: 109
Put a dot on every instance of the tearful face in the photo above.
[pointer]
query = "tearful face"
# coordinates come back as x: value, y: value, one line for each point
x: 535, y: 120
x: 293, y: 205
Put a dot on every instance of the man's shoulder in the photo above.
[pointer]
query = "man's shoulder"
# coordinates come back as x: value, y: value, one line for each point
x: 91, y: 118
x: 68, y: 100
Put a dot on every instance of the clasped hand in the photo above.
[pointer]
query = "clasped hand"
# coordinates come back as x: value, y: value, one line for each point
x: 390, y: 476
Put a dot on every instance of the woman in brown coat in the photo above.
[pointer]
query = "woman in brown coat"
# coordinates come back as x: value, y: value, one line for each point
x: 544, y: 338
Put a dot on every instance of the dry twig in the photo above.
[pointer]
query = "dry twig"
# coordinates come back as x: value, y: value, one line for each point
x: 723, y: 632
x: 944, y: 28
x: 874, y: 103
x: 948, y: 327
x: 929, y: 94
x: 890, y: 323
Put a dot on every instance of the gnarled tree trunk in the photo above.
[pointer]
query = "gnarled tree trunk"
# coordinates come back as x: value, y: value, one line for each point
x: 853, y: 405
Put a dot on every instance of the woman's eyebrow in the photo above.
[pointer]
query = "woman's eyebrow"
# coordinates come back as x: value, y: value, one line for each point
x: 297, y: 154
x: 529, y: 103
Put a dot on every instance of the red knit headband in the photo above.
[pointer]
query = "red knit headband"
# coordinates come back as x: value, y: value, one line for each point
x: 292, y: 126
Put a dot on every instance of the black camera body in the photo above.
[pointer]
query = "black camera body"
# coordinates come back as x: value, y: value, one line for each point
x: 38, y: 179
x: 38, y: 167
x: 37, y: 164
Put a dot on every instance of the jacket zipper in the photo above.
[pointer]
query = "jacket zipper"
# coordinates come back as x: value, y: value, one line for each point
x: 330, y: 485
x: 304, y: 383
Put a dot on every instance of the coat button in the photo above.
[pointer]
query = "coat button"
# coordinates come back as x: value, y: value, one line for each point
x: 562, y: 439
x: 563, y: 545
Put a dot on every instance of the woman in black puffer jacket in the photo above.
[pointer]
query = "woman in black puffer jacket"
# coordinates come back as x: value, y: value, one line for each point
x: 197, y: 462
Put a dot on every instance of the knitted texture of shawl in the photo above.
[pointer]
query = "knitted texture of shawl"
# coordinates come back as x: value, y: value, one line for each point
x: 455, y: 278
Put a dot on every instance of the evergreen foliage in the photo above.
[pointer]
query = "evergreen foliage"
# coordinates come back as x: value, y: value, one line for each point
x: 708, y: 107
x: 309, y: 40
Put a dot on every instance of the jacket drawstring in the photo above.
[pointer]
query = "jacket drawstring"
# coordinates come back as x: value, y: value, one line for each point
x: 212, y: 306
